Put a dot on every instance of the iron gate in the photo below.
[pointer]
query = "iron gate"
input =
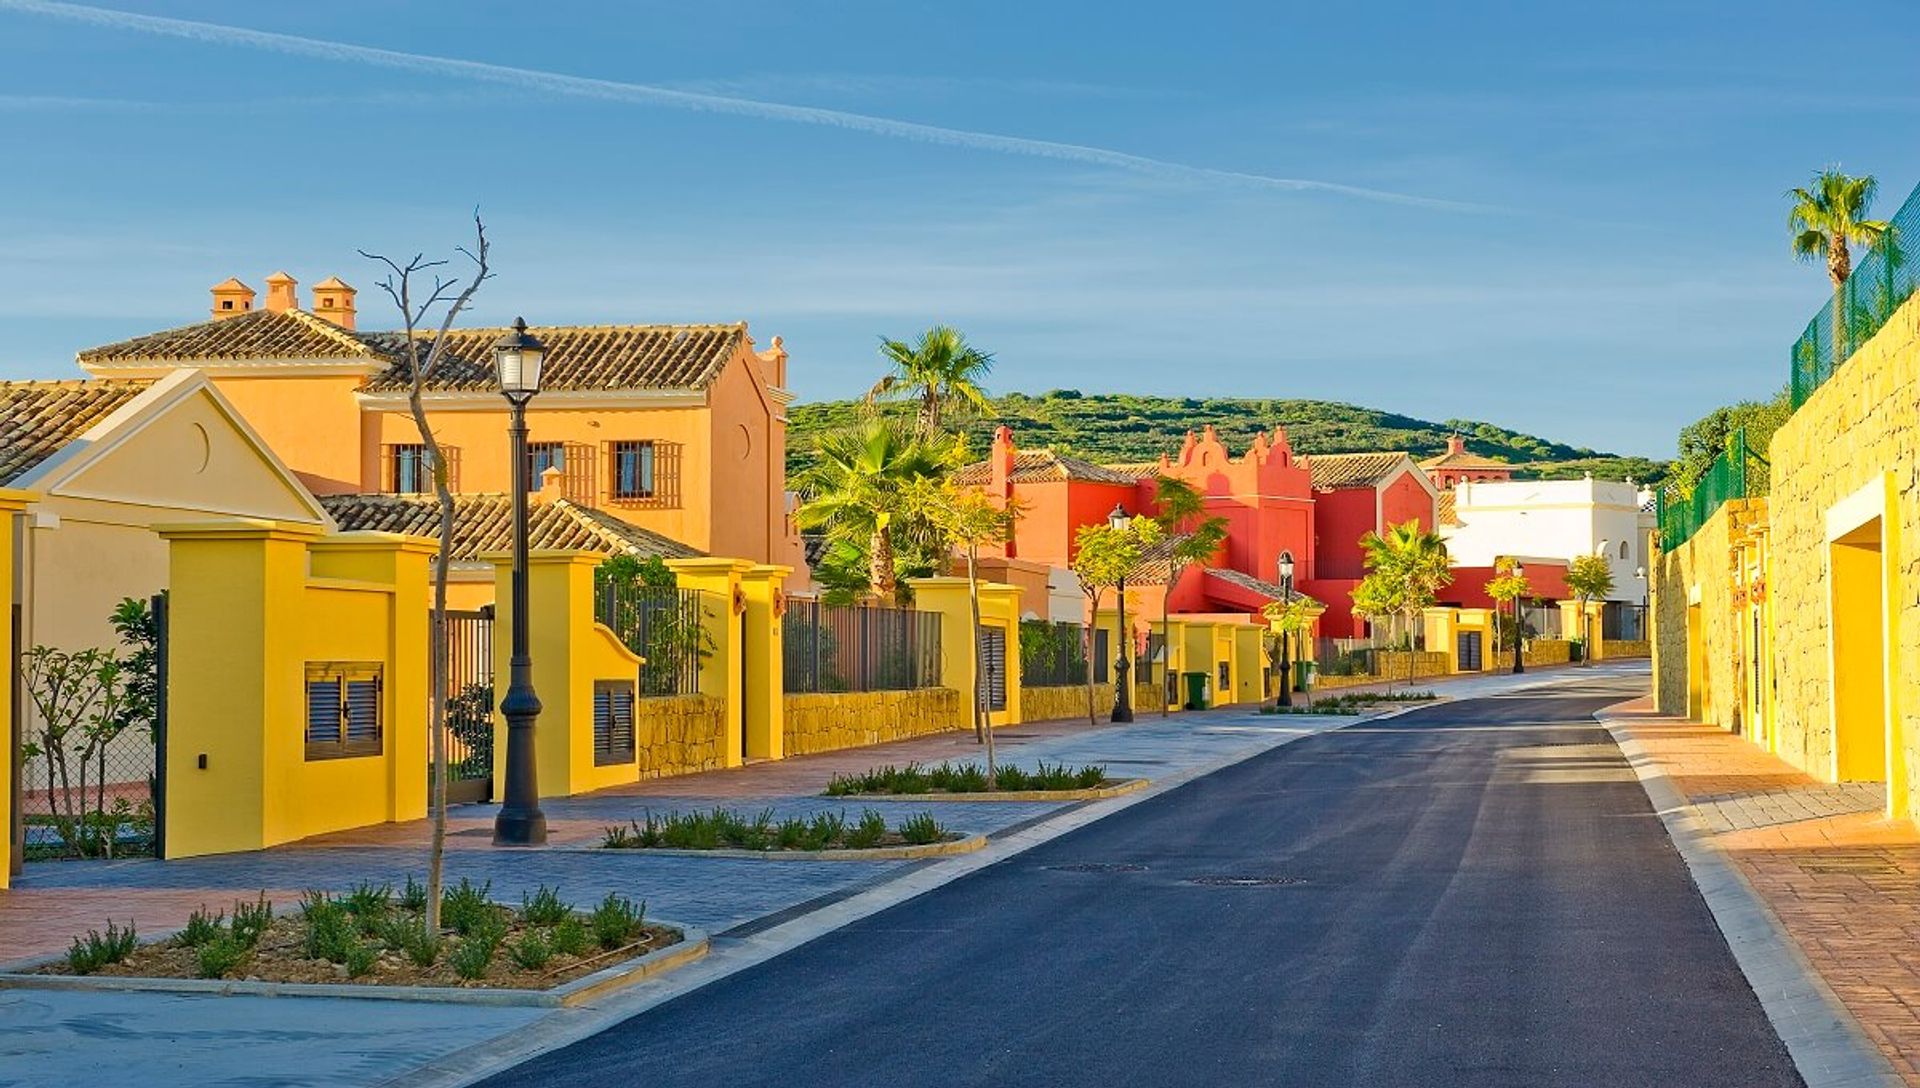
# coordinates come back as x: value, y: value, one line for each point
x: 470, y: 704
x: 1469, y: 651
x: 993, y: 666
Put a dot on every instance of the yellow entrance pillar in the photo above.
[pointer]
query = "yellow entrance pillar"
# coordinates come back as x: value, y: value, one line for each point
x: 12, y: 503
x: 559, y: 611
x: 723, y: 604
x: 764, y: 661
x: 959, y: 658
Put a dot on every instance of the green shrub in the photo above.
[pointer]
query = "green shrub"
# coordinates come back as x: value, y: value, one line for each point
x: 413, y: 897
x: 359, y: 957
x: 792, y: 834
x: 463, y: 908
x: 571, y: 938
x: 914, y: 779
x: 97, y: 949
x: 219, y: 956
x: 544, y: 907
x: 250, y: 920
x: 867, y: 832
x: 922, y: 829
x: 369, y: 905
x: 531, y: 951
x: 202, y: 927
x: 616, y: 919
x: 471, y: 956
x: 412, y: 939
x: 824, y: 830
x: 330, y: 929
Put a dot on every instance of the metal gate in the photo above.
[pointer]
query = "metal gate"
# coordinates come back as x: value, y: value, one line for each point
x: 470, y: 705
x: 993, y: 666
x: 1469, y: 651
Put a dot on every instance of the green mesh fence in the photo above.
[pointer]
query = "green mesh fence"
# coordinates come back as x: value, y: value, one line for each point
x: 1882, y: 280
x: 1681, y: 514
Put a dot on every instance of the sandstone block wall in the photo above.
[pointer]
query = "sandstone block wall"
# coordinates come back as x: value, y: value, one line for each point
x: 678, y: 734
x: 1056, y: 703
x: 829, y: 721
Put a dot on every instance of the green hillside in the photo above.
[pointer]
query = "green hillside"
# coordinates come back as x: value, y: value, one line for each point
x: 1123, y: 427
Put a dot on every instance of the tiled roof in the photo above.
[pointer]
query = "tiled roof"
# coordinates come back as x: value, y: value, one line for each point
x: 1443, y: 509
x: 1135, y: 470
x: 1465, y: 460
x: 581, y: 357
x: 38, y: 419
x: 1332, y: 471
x: 1247, y: 581
x: 1036, y: 466
x: 483, y: 524
x: 257, y: 334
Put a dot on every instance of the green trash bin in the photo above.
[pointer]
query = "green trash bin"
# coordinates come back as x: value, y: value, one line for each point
x: 1302, y: 675
x: 1196, y: 690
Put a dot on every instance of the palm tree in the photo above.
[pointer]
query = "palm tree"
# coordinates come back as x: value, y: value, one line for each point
x: 1411, y: 565
x: 1828, y: 217
x: 860, y: 483
x: 942, y: 371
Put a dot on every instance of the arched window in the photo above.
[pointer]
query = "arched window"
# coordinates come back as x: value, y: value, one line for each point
x: 1623, y: 550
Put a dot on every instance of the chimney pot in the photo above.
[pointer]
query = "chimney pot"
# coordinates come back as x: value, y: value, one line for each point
x: 281, y: 293
x: 333, y: 301
x: 231, y: 298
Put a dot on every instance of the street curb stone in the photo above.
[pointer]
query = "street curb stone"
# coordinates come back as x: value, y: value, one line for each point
x: 1826, y: 1043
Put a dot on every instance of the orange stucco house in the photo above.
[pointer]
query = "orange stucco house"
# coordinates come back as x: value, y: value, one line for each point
x: 678, y: 431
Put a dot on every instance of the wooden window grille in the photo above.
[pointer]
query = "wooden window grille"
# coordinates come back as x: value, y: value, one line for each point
x: 643, y: 473
x: 406, y: 468
x: 344, y: 717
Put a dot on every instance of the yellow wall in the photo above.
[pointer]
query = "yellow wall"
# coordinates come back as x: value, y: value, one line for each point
x: 999, y: 607
x: 829, y: 721
x: 724, y: 605
x: 311, y: 421
x: 11, y: 504
x: 246, y: 619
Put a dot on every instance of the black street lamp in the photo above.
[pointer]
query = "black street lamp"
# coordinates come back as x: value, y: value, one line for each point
x: 517, y: 357
x: 1122, y: 696
x: 1286, y: 599
x: 1518, y: 665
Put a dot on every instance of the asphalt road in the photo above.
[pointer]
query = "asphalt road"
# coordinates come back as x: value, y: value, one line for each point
x: 1472, y: 894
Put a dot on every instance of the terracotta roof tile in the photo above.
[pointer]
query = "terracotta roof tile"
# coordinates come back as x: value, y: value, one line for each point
x: 1443, y: 509
x: 1465, y: 460
x: 579, y: 357
x: 1267, y: 589
x: 1333, y: 471
x: 1037, y: 466
x: 257, y: 334
x: 38, y: 419
x: 483, y: 524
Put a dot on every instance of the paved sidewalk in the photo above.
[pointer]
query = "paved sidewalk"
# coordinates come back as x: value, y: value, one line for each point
x: 1843, y: 881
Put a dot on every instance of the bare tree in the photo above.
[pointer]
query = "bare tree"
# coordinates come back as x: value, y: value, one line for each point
x: 453, y: 294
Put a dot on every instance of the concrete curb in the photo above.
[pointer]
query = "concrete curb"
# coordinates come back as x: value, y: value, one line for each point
x: 879, y: 853
x: 1825, y: 1042
x: 693, y: 945
x: 1092, y: 793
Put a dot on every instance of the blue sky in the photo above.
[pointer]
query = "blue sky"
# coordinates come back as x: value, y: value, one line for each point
x: 1596, y: 251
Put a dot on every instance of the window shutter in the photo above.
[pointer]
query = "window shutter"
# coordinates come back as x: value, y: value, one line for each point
x: 363, y: 714
x: 323, y: 710
x: 612, y: 722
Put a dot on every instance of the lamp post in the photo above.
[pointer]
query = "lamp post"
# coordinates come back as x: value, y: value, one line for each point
x: 1285, y: 698
x: 517, y: 357
x: 1640, y: 573
x: 1519, y: 666
x: 1123, y: 695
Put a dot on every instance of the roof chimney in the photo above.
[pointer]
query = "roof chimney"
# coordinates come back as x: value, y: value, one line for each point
x: 1456, y: 444
x: 281, y: 296
x: 231, y: 298
x: 333, y: 301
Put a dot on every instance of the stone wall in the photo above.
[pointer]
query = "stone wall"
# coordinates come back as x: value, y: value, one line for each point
x: 1858, y: 430
x: 1699, y: 571
x: 678, y: 734
x: 832, y: 720
x: 1057, y: 703
x: 1393, y: 666
x: 1624, y: 647
x: 1540, y: 651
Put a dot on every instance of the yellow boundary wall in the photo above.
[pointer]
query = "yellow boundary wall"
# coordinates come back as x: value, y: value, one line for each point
x: 12, y: 504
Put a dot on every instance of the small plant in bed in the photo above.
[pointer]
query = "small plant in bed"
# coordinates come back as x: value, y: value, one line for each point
x: 725, y: 829
x: 914, y: 779
x: 1352, y: 702
x: 370, y: 936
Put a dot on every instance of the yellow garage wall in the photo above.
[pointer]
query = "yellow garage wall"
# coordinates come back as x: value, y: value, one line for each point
x: 12, y: 503
x: 247, y: 616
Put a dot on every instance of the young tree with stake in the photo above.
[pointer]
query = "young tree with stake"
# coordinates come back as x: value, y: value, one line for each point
x: 1103, y: 558
x: 966, y: 518
x: 1589, y: 578
x: 422, y: 360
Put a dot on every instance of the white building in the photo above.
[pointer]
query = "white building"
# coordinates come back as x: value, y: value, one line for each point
x: 1557, y: 519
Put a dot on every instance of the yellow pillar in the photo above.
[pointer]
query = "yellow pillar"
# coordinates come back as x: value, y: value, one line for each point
x: 560, y: 617
x: 959, y: 660
x: 12, y: 503
x: 764, y: 661
x: 403, y: 562
x: 234, y: 693
x: 1442, y: 629
x: 1588, y: 633
x: 723, y: 603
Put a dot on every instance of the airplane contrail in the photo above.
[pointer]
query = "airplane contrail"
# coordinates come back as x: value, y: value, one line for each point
x: 619, y: 91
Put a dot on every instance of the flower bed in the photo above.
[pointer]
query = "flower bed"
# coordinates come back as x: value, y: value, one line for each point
x: 375, y: 937
x: 1351, y: 702
x: 913, y: 779
x: 725, y: 829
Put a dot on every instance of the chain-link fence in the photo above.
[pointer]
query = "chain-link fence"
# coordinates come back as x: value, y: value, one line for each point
x: 1882, y: 280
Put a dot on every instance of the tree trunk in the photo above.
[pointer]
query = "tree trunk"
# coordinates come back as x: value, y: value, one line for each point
x: 930, y: 413
x: 1839, y: 260
x: 436, y: 658
x: 982, y: 717
x: 1093, y: 651
x: 880, y: 577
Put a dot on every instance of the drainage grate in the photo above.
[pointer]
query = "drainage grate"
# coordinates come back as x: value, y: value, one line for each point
x: 1099, y: 867
x: 1244, y: 881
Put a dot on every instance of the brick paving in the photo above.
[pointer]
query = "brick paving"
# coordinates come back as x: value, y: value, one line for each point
x: 1844, y: 884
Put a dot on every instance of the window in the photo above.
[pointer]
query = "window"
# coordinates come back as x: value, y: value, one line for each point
x: 343, y: 710
x: 542, y: 456
x: 412, y: 470
x: 612, y: 722
x: 633, y: 470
